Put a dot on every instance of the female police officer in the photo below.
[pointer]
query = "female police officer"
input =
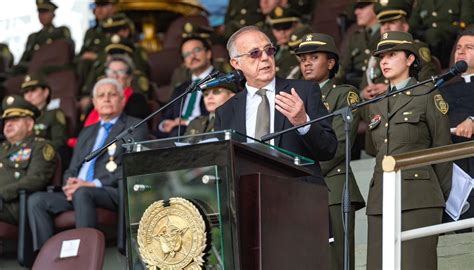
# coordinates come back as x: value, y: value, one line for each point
x: 412, y: 120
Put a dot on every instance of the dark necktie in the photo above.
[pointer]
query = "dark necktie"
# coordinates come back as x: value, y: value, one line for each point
x: 262, y: 126
x: 392, y: 100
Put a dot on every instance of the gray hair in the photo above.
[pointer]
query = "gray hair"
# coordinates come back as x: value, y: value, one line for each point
x: 231, y: 49
x: 105, y: 81
x: 125, y: 59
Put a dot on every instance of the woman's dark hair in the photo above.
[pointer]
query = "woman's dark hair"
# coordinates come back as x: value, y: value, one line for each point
x: 415, y: 67
x: 334, y: 69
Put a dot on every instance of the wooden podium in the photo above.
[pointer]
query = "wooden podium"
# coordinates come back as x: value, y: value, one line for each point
x: 259, y: 210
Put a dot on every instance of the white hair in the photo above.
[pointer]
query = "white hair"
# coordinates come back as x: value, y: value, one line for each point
x: 231, y: 49
x: 104, y: 81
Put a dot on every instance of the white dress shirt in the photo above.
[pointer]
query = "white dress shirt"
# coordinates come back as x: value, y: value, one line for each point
x: 253, y: 101
x: 467, y: 77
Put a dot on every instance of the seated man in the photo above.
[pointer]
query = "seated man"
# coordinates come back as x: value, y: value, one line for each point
x: 26, y: 162
x: 92, y: 184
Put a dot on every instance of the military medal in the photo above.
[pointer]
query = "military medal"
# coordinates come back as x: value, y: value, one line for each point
x: 111, y: 166
x: 375, y: 121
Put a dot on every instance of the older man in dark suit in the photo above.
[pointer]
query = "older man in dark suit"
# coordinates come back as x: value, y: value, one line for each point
x: 92, y: 184
x: 271, y: 104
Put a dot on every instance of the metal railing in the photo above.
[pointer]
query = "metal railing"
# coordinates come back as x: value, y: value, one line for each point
x: 392, y: 236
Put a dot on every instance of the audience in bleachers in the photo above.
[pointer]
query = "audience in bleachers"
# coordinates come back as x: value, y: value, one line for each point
x: 46, y: 35
x: 111, y: 49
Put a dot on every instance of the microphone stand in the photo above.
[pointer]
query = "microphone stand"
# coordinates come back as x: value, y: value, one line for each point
x: 346, y: 114
x: 191, y: 88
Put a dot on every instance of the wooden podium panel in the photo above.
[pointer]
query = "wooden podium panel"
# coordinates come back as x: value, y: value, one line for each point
x: 282, y: 223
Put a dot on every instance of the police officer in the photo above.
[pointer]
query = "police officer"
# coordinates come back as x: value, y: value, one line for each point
x: 213, y: 98
x: 392, y: 16
x: 26, y: 162
x: 46, y: 35
x: 438, y: 23
x: 284, y: 21
x: 361, y: 43
x: 319, y: 62
x: 51, y: 123
x: 95, y: 39
x: 242, y: 13
x: 412, y: 120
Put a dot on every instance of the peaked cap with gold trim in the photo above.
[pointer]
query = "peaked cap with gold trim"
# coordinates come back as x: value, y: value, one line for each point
x: 316, y: 42
x: 390, y: 10
x: 32, y: 81
x: 45, y: 5
x: 17, y: 106
x: 396, y: 41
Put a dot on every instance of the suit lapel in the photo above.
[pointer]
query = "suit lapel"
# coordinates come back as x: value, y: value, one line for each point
x: 239, y: 112
x: 280, y: 85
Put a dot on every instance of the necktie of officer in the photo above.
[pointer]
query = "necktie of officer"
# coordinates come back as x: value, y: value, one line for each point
x: 191, y: 103
x: 262, y: 126
x: 393, y: 99
x: 90, y: 171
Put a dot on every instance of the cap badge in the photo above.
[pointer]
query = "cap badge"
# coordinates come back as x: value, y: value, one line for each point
x: 10, y: 100
x: 309, y: 37
x: 384, y: 2
x: 385, y: 36
x: 27, y: 78
x: 278, y: 11
x: 188, y: 28
x: 115, y: 39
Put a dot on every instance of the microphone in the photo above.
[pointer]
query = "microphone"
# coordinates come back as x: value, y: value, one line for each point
x: 234, y: 76
x: 458, y: 68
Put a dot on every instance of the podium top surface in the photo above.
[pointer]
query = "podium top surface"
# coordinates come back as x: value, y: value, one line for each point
x: 217, y: 136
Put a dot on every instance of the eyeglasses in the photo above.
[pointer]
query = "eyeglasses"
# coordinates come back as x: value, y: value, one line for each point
x: 119, y: 72
x: 257, y: 53
x: 215, y: 92
x: 193, y: 51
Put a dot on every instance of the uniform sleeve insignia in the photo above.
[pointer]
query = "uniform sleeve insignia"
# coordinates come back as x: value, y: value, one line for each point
x: 61, y: 118
x: 48, y: 152
x: 143, y: 83
x: 425, y: 54
x: 441, y: 105
x: 352, y: 98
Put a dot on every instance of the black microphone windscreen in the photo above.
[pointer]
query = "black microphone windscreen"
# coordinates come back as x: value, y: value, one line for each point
x: 238, y: 76
x: 460, y: 66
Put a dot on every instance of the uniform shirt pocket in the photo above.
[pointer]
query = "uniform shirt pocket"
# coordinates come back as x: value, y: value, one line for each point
x: 405, y: 128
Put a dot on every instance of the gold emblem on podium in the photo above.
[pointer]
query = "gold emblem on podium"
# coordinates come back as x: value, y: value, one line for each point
x: 172, y: 237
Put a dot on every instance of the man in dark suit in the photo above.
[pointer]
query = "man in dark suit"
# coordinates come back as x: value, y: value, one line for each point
x: 460, y: 97
x: 197, y: 57
x: 92, y: 184
x: 271, y: 104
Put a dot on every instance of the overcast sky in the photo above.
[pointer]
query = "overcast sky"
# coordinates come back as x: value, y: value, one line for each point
x: 19, y: 18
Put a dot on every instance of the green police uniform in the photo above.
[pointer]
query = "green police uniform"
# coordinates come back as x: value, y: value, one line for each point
x: 95, y: 41
x: 357, y: 54
x: 336, y: 97
x: 26, y: 165
x: 400, y: 124
x: 284, y: 19
x: 438, y: 23
x: 242, y: 13
x: 46, y: 35
x: 50, y: 124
